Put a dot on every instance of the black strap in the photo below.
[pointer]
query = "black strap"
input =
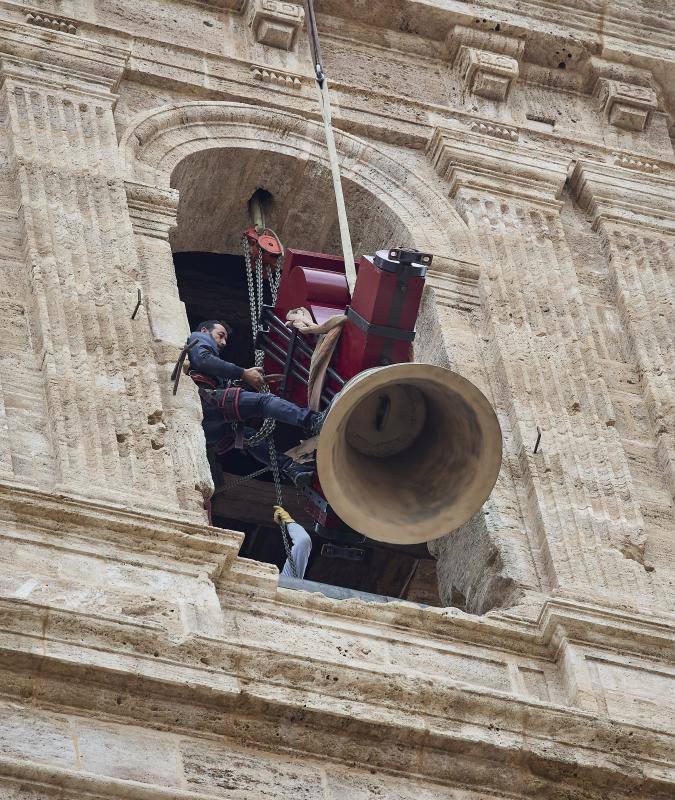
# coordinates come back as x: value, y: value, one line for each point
x: 178, y: 368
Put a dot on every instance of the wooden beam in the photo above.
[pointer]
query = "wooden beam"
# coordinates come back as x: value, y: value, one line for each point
x: 252, y: 501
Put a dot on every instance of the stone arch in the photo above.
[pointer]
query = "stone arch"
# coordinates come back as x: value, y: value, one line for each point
x: 158, y: 140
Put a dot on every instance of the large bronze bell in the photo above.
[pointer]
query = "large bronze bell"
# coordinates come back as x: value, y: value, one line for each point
x: 408, y: 452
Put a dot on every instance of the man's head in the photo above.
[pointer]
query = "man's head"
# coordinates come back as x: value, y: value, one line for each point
x: 218, y: 330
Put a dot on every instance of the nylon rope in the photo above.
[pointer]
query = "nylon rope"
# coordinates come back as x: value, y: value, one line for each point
x: 324, y: 102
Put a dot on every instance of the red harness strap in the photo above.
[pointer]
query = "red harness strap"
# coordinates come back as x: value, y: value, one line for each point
x: 227, y: 400
x: 203, y: 381
x: 229, y: 404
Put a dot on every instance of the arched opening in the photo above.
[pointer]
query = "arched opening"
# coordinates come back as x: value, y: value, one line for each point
x: 215, y: 186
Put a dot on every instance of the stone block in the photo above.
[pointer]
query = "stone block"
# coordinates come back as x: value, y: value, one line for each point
x: 275, y: 23
x: 30, y: 734
x: 129, y: 753
x: 211, y: 767
x: 625, y: 105
x: 487, y: 74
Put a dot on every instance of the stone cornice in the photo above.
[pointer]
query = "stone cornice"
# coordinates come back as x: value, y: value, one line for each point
x: 219, y: 75
x: 42, y: 56
x: 97, y: 526
x: 547, y: 21
x: 619, y: 194
x: 496, y: 167
x: 210, y: 686
x: 529, y: 27
x: 87, y: 784
x: 356, y: 111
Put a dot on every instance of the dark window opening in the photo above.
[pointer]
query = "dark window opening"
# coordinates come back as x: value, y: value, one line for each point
x: 213, y: 286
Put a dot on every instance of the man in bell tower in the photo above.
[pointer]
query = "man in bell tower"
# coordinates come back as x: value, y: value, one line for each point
x: 225, y: 401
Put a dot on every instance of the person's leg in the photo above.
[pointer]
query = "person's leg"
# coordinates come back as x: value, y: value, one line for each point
x: 300, y: 474
x: 252, y: 404
x: 302, y: 547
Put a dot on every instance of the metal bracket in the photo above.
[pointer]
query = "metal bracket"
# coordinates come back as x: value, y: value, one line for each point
x: 138, y: 304
x: 536, y: 446
x: 346, y: 553
x: 289, y: 359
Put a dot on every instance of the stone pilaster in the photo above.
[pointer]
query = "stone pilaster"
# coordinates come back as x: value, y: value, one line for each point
x: 576, y: 493
x: 104, y: 407
x: 633, y: 210
x: 153, y: 213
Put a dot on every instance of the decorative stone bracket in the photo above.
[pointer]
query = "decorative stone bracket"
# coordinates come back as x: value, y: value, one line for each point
x: 487, y: 62
x: 625, y: 105
x: 486, y: 74
x: 275, y: 23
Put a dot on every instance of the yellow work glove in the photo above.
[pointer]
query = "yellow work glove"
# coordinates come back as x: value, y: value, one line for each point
x: 282, y: 516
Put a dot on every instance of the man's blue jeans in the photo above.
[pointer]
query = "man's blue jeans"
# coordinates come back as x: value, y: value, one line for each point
x: 252, y: 404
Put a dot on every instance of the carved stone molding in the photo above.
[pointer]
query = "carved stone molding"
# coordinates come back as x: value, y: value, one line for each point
x: 498, y: 131
x: 463, y: 36
x: 152, y: 210
x: 276, y: 77
x: 470, y: 162
x: 275, y: 23
x: 46, y: 58
x: 625, y: 105
x: 55, y: 23
x: 637, y: 164
x: 622, y: 195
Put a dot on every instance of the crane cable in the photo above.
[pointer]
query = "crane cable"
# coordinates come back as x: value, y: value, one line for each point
x: 324, y: 101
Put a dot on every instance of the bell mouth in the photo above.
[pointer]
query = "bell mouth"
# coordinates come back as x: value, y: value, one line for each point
x: 408, y: 452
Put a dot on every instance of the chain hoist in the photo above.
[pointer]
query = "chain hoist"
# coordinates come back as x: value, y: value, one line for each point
x: 255, y: 283
x: 270, y: 270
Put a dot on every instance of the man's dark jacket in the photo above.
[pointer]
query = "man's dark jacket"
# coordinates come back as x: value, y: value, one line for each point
x: 205, y: 360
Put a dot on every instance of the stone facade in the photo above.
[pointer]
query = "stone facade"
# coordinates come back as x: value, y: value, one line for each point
x: 528, y: 147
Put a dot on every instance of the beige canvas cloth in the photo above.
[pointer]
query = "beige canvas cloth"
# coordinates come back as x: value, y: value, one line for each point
x: 329, y: 335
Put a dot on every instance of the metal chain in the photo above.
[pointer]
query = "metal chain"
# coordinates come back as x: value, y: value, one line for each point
x: 258, y: 304
x: 255, y: 297
x: 238, y: 481
x: 285, y: 538
x: 274, y: 468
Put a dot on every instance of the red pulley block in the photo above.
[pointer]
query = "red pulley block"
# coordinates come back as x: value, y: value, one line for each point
x: 266, y: 243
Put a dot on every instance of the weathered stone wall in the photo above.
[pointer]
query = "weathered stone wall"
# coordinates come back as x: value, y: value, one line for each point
x: 529, y: 149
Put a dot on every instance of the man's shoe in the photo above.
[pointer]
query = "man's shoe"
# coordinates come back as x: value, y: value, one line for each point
x: 315, y: 422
